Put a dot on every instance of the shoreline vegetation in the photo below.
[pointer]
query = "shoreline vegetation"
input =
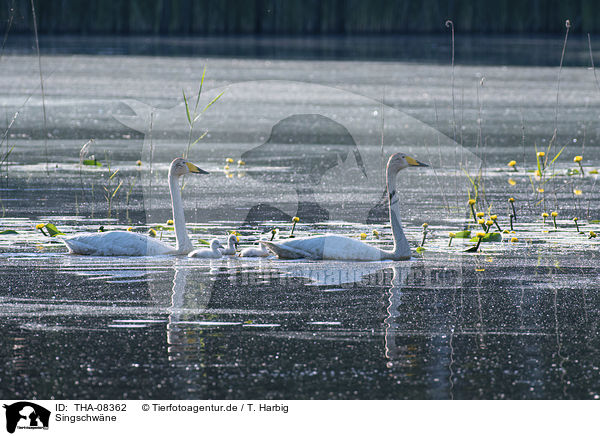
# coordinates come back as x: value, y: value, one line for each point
x: 297, y: 17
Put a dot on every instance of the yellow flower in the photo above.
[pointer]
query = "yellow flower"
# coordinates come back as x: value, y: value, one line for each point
x: 375, y: 233
x: 226, y: 167
x: 575, y: 219
x: 229, y: 160
x: 505, y: 231
x: 592, y: 234
x: 241, y: 162
x: 544, y: 215
x: 541, y: 154
x: 230, y: 175
x: 480, y: 234
x: 512, y: 163
x: 493, y: 217
x: 363, y: 236
x: 537, y: 173
x: 40, y: 226
x: 273, y: 231
x: 577, y: 191
x: 511, y: 182
x: 480, y: 214
x: 139, y: 163
x: 451, y: 235
x: 296, y: 219
x: 511, y: 200
x: 554, y: 214
x: 489, y: 222
x: 471, y: 202
x: 129, y: 229
x: 541, y: 190
x: 425, y: 225
x: 169, y: 222
x: 480, y: 221
x: 577, y: 159
x: 152, y: 233
x: 514, y: 239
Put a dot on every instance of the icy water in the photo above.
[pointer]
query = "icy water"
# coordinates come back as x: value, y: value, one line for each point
x: 517, y: 320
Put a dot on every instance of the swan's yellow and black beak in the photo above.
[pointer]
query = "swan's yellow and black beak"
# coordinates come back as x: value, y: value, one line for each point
x: 194, y: 169
x: 414, y: 163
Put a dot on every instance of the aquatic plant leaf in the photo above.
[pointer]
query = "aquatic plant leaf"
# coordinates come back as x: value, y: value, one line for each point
x: 420, y: 249
x: 200, y: 138
x: 473, y: 249
x: 52, y: 230
x: 92, y: 162
x: 187, y: 108
x: 163, y: 228
x: 594, y: 221
x: 489, y: 237
x: 213, y: 101
x: 557, y: 154
x: 203, y: 242
x: 464, y: 234
x: 9, y: 232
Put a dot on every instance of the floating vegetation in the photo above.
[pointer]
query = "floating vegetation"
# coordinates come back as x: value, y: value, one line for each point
x: 51, y: 228
x: 424, y: 225
x: 577, y: 160
x: 92, y: 162
x: 295, y: 220
x: 554, y: 215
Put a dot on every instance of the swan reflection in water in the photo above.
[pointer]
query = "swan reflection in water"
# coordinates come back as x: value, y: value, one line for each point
x: 187, y: 311
x: 394, y: 300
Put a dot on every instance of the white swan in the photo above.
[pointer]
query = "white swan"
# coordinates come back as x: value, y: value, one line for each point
x: 120, y: 243
x: 259, y: 251
x: 332, y: 247
x: 232, y: 243
x: 214, y: 252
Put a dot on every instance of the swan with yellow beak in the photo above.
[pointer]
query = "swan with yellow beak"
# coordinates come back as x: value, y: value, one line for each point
x: 333, y: 247
x: 120, y: 243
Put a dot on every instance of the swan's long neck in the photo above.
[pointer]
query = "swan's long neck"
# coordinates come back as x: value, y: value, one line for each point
x: 184, y: 245
x: 401, y: 247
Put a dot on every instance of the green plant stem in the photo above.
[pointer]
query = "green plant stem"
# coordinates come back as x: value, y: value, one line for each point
x: 473, y: 212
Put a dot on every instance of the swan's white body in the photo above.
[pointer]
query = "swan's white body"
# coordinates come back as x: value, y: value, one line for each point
x: 214, y: 252
x: 332, y: 247
x: 119, y: 243
x: 232, y: 242
x: 259, y: 251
